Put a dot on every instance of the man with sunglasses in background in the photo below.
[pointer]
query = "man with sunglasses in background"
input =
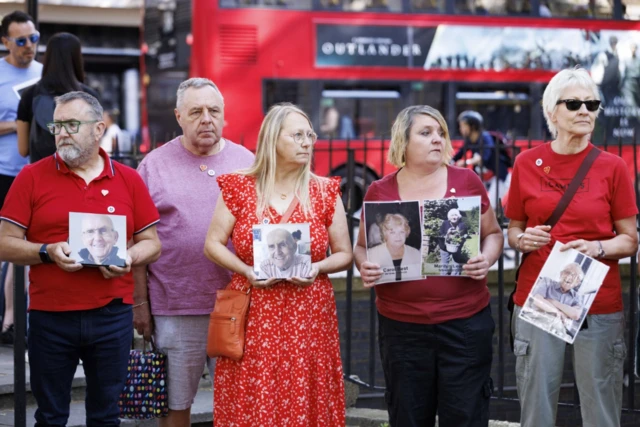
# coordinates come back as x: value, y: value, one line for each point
x: 77, y: 312
x: 20, y: 37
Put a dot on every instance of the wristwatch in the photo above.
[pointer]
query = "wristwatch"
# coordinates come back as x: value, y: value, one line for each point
x: 44, y: 255
x: 519, y: 237
x: 601, y: 253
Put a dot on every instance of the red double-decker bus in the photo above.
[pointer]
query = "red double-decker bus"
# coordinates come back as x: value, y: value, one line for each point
x: 354, y: 64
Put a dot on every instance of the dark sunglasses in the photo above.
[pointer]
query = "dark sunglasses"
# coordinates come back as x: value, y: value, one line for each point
x: 575, y: 104
x: 22, y: 41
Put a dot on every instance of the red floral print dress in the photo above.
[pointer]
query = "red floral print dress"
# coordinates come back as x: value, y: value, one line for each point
x: 291, y: 372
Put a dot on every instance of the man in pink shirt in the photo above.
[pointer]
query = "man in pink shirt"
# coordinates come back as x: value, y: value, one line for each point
x: 175, y: 295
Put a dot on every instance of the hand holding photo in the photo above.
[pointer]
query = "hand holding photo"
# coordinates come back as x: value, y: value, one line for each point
x: 282, y: 251
x: 98, y: 240
x: 451, y: 235
x: 563, y: 293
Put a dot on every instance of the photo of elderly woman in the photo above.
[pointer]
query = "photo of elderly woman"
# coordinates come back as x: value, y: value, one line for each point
x: 563, y: 293
x: 393, y: 239
x: 451, y: 235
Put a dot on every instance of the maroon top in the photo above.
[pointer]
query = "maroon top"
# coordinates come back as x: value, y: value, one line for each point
x: 435, y: 299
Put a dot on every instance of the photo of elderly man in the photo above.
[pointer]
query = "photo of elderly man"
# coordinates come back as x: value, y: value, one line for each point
x: 284, y: 261
x: 99, y: 237
x: 560, y: 297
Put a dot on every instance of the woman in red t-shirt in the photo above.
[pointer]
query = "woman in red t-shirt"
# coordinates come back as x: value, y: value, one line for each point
x: 600, y: 221
x: 434, y: 334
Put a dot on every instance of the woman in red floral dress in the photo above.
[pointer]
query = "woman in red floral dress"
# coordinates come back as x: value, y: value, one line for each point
x: 291, y: 371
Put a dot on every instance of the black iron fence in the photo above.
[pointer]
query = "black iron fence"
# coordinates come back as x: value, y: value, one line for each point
x: 359, y: 163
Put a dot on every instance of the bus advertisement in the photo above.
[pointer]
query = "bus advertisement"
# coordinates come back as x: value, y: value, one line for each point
x: 353, y: 67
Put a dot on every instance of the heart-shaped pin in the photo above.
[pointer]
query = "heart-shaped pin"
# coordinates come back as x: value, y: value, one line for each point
x: 453, y: 190
x: 203, y: 168
x: 105, y: 192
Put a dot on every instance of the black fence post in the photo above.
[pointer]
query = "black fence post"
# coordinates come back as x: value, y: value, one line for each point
x: 19, y: 347
x: 351, y: 164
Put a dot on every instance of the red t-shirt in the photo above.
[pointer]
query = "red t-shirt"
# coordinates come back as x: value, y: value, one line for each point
x: 539, y: 179
x: 435, y: 299
x: 40, y: 200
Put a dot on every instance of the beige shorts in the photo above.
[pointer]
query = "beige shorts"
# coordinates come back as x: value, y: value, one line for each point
x: 184, y: 340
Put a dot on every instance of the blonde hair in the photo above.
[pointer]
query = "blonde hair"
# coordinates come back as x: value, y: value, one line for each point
x: 401, y: 129
x: 391, y: 220
x: 264, y: 166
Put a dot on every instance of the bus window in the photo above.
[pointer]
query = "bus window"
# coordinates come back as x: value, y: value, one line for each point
x: 505, y: 110
x: 497, y: 7
x: 427, y: 6
x: 347, y: 113
x: 297, y: 92
x: 600, y: 9
x: 372, y: 5
x: 631, y: 10
x: 428, y: 93
x: 277, y: 4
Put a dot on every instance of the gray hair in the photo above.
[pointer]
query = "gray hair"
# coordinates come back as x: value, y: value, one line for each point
x: 565, y: 78
x: 452, y: 211
x: 196, y: 83
x: 576, y: 269
x: 96, y: 108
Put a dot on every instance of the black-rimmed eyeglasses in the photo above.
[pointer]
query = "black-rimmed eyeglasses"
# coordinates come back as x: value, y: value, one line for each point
x: 575, y: 104
x: 72, y: 126
x: 22, y: 41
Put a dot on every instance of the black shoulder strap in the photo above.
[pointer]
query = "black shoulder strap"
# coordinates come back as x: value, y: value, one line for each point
x: 573, y: 186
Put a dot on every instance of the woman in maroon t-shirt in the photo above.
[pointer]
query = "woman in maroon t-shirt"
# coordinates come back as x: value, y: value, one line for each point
x: 600, y: 221
x: 435, y: 334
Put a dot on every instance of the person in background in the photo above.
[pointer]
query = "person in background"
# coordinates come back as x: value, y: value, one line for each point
x: 114, y: 136
x: 435, y: 334
x: 20, y: 38
x: 482, y: 147
x: 63, y: 72
x: 335, y: 125
x: 291, y: 371
x: 178, y: 292
x: 600, y: 222
x: 77, y: 313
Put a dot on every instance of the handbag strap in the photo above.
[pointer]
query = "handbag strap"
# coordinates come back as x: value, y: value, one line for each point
x: 573, y: 186
x: 292, y: 206
x: 568, y: 194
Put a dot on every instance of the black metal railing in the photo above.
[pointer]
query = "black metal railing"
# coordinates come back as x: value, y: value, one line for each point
x: 363, y: 161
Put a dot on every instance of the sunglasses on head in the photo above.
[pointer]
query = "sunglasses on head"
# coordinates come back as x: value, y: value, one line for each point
x: 575, y: 104
x: 22, y: 41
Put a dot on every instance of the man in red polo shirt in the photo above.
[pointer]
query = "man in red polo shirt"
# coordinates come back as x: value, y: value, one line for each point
x: 77, y: 312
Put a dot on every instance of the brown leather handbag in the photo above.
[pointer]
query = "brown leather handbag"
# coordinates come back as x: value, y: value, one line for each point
x: 227, y: 323
x: 228, y: 320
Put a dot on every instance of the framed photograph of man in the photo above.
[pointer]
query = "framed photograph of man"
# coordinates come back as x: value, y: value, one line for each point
x: 281, y: 251
x: 563, y: 293
x: 393, y: 239
x: 451, y: 235
x: 98, y: 240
